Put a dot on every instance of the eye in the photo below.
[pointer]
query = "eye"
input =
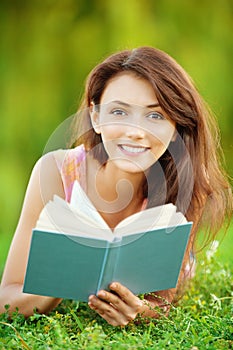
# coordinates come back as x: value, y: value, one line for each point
x: 155, y: 116
x: 118, y: 111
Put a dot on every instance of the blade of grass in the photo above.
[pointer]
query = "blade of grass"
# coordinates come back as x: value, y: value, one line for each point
x: 17, y: 334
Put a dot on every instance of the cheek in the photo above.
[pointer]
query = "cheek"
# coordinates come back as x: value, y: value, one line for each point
x: 110, y: 132
x: 164, y: 135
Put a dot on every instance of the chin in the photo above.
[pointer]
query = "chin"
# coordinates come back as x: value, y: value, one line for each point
x: 131, y: 167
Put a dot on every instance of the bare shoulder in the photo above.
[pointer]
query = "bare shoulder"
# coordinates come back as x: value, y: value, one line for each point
x: 48, y: 173
x: 45, y: 181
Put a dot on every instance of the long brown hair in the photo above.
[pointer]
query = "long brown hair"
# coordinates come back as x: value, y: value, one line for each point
x: 195, y: 179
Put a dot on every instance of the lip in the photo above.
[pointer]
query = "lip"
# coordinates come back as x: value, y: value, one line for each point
x: 133, y: 150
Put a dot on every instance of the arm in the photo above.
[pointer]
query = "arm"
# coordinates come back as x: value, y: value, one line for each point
x: 122, y: 306
x: 45, y: 181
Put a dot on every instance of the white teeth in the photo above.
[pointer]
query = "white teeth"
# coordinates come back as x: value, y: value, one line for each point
x: 133, y: 149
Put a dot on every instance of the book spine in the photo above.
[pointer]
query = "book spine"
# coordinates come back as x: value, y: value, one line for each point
x: 103, y: 267
x: 109, y: 264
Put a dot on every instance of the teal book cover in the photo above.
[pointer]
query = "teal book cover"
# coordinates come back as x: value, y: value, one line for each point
x: 73, y: 267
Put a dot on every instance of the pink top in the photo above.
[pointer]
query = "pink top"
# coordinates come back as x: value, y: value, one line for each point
x: 72, y: 166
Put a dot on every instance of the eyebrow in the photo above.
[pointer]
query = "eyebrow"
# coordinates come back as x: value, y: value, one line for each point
x: 128, y: 105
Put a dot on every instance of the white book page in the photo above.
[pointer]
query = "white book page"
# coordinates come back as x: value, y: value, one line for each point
x: 82, y: 204
x: 150, y: 219
x: 81, y: 218
x: 58, y: 216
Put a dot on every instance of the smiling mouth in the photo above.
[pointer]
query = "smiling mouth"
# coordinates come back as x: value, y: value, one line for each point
x: 133, y: 149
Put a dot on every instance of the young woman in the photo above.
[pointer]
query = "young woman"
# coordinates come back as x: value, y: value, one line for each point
x: 143, y: 137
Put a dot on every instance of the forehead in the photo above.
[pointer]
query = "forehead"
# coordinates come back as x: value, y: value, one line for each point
x: 129, y: 88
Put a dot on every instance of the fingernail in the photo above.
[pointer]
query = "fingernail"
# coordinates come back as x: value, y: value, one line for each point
x: 102, y: 293
x: 91, y: 306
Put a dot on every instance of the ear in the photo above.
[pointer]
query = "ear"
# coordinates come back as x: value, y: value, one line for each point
x: 94, y: 114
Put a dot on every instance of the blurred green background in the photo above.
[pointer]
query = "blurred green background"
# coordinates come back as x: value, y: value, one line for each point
x: 48, y: 47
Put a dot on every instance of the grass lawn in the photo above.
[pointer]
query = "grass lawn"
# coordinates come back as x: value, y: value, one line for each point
x: 203, y: 319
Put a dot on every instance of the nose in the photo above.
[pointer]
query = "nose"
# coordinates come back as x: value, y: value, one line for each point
x: 135, y: 132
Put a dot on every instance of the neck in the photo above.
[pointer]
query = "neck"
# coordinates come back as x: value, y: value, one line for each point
x: 114, y: 191
x: 120, y: 182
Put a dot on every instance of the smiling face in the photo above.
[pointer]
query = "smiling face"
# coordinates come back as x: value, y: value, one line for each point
x: 134, y: 129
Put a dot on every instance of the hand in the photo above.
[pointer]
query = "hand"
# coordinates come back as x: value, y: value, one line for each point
x: 118, y: 308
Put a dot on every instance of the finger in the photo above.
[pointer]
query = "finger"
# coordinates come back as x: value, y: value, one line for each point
x: 114, y: 300
x: 126, y: 295
x: 97, y: 303
x: 128, y: 312
x: 107, y: 311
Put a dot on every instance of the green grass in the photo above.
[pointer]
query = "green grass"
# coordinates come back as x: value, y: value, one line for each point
x: 203, y: 319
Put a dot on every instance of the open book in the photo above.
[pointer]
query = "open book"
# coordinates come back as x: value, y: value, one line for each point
x: 74, y: 253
